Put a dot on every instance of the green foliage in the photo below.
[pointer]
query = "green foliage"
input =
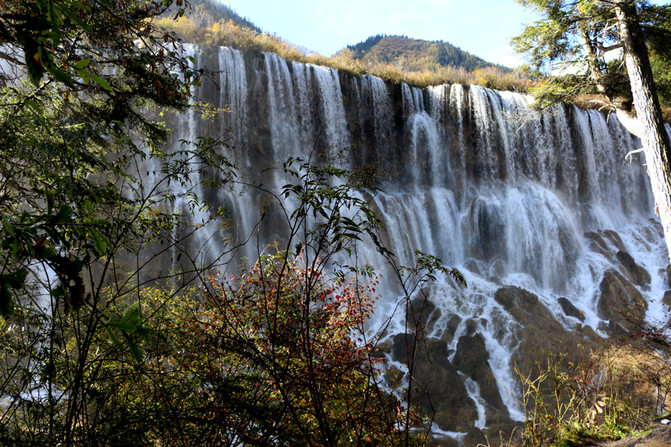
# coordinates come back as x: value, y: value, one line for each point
x: 278, y: 354
x: 416, y: 55
x: 572, y: 45
x: 68, y: 136
x: 74, y: 128
x: 92, y: 341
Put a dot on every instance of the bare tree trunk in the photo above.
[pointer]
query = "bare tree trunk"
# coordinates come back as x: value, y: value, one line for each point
x: 653, y: 134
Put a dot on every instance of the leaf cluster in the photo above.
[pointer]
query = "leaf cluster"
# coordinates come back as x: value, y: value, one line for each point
x: 573, y: 45
x: 78, y: 75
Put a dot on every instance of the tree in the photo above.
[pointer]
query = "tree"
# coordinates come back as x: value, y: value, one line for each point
x: 81, y: 81
x: 69, y: 134
x: 581, y: 33
x: 275, y: 355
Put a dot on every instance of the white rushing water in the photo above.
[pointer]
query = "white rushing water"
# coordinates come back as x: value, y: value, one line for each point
x: 471, y: 175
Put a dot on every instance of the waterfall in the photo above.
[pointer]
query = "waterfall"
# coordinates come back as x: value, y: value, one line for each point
x: 544, y: 202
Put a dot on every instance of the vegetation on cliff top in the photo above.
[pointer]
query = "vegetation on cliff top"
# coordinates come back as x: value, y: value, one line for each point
x: 398, y: 59
x: 416, y: 55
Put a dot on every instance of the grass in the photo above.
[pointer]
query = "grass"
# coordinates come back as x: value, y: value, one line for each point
x: 227, y: 33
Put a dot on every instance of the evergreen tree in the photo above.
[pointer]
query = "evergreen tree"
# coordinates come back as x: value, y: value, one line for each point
x: 580, y: 34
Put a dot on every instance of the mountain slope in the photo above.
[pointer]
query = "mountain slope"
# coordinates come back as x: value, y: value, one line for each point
x: 204, y: 13
x: 414, y: 54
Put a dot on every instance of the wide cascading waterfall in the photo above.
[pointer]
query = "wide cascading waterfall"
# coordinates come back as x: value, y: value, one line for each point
x: 541, y: 213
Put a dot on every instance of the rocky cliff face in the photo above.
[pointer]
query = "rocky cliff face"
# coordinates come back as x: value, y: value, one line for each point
x: 552, y: 228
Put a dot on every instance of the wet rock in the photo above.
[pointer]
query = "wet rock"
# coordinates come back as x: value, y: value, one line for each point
x: 472, y: 266
x: 423, y: 314
x: 637, y: 274
x: 539, y: 331
x: 498, y: 270
x: 605, y: 242
x: 475, y: 437
x: 621, y: 303
x: 451, y: 328
x: 486, y: 218
x: 442, y: 441
x: 667, y: 298
x: 472, y: 359
x: 614, y: 238
x: 438, y: 386
x: 668, y: 275
x: 522, y: 305
x: 382, y: 348
x: 597, y: 243
x: 471, y: 326
x: 569, y: 309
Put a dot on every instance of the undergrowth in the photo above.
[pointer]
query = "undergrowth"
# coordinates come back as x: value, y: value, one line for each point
x: 608, y: 394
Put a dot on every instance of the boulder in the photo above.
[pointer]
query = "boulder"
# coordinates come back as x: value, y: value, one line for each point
x: 472, y: 359
x: 451, y: 328
x: 540, y: 332
x: 422, y: 313
x: 667, y: 298
x: 614, y: 238
x: 442, y: 441
x: 472, y: 266
x: 475, y: 437
x: 637, y: 274
x: 620, y: 302
x: 439, y: 390
x: 605, y: 242
x: 524, y: 306
x: 382, y: 348
x: 569, y: 309
x: 498, y: 270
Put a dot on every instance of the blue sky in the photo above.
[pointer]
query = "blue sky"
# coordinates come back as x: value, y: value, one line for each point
x: 481, y: 27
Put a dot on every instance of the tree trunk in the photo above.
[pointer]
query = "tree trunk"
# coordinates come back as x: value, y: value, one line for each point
x: 593, y: 60
x: 653, y: 133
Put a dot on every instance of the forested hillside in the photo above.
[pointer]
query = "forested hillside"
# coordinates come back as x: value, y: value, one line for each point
x: 415, y: 55
x: 398, y: 59
x: 205, y: 13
